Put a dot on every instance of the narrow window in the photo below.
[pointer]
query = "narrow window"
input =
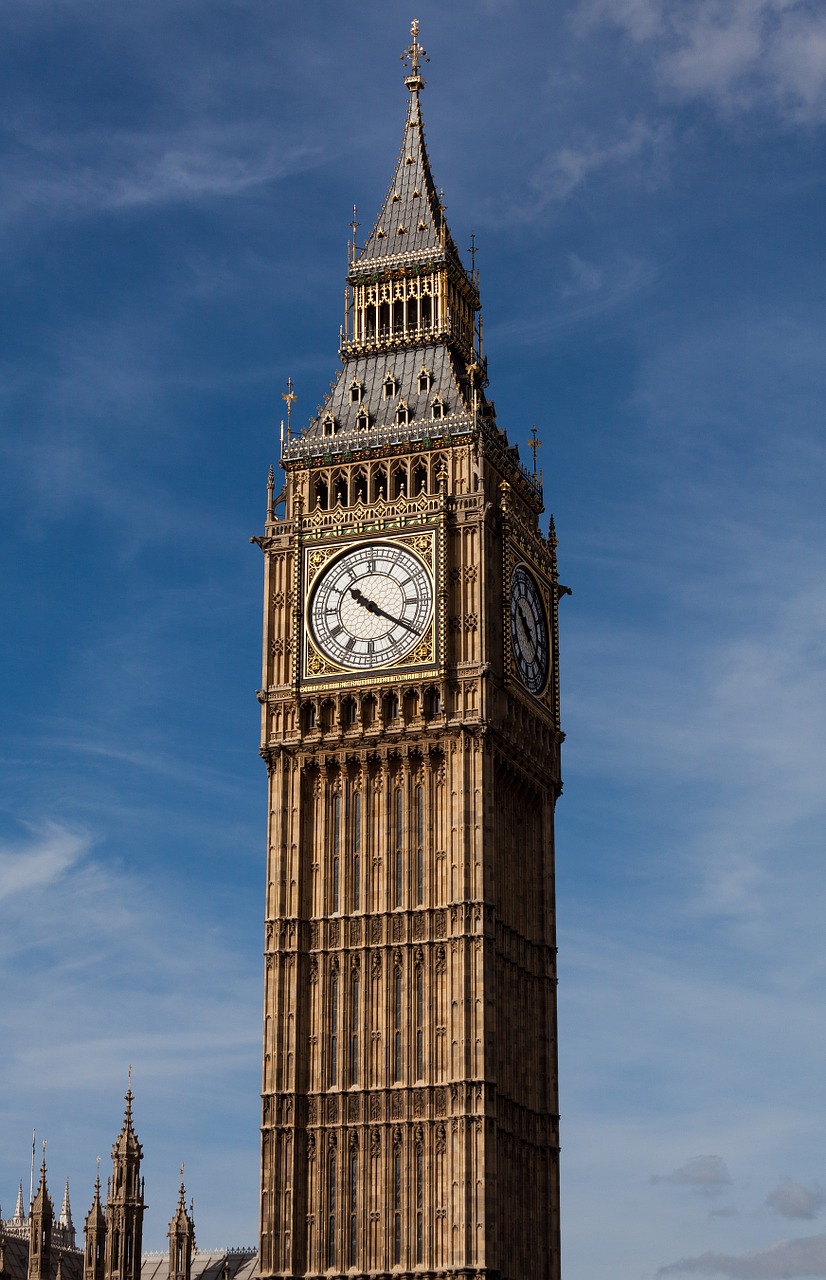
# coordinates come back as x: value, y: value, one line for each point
x: 437, y: 409
x: 398, y: 850
x: 331, y: 1212
x: 419, y: 1023
x: 397, y: 1206
x: 357, y: 852
x: 419, y: 845
x: 389, y: 387
x: 354, y: 1032
x: 397, y: 1027
x: 336, y: 818
x: 419, y: 1204
x: 333, y: 1028
x: 424, y: 381
x: 354, y: 1179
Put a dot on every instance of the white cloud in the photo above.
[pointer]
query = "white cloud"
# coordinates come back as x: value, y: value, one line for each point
x: 739, y: 54
x: 705, y: 1173
x: 779, y: 1261
x: 791, y: 1200
x: 42, y: 862
x: 64, y: 174
x: 563, y: 171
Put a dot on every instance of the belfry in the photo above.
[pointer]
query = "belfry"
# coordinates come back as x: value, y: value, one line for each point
x: 410, y: 728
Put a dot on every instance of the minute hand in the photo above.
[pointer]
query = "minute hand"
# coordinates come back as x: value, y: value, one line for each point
x: 372, y: 607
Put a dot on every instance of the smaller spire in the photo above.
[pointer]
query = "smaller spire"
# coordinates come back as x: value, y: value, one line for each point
x: 66, y: 1210
x: 19, y: 1212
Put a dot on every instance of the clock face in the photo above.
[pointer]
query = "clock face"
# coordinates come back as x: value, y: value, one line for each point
x: 529, y: 630
x: 371, y: 605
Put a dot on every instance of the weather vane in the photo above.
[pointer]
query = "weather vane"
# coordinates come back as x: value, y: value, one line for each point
x: 290, y: 396
x: 533, y: 445
x: 414, y: 53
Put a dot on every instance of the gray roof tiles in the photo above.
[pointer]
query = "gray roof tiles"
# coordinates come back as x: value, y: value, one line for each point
x: 411, y: 218
x: 405, y: 366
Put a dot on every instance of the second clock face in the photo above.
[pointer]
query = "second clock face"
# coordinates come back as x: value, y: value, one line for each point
x: 529, y: 630
x: 371, y: 605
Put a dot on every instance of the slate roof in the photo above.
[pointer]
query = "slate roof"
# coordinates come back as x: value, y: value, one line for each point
x: 209, y: 1265
x: 411, y: 219
x: 240, y: 1264
x: 370, y: 371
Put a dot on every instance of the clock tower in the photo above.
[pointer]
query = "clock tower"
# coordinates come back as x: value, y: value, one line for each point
x: 410, y: 728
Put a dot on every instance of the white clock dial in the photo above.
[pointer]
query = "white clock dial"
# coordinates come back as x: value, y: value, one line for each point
x: 529, y: 630
x: 371, y: 605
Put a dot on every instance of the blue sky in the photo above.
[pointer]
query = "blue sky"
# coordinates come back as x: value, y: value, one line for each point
x: 645, y: 179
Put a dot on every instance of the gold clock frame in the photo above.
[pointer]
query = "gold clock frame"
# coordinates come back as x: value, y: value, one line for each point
x: 515, y: 555
x: 427, y: 657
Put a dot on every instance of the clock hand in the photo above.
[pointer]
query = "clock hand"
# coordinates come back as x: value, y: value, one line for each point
x: 372, y: 607
x: 525, y: 617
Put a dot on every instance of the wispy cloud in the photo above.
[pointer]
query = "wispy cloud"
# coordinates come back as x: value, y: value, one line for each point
x: 740, y: 55
x: 704, y: 1173
x: 791, y: 1200
x: 41, y: 861
x: 786, y: 1258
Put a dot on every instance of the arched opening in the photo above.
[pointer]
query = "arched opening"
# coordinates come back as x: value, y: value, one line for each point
x: 308, y: 716
x: 384, y: 319
x: 398, y: 316
x: 427, y: 312
x: 360, y: 487
x: 412, y: 314
x: 432, y: 703
x: 410, y: 706
x: 341, y: 491
x: 321, y: 494
x: 398, y: 483
x: 419, y: 480
x: 368, y: 711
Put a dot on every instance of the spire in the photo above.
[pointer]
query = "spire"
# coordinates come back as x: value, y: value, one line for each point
x: 19, y: 1212
x: 181, y: 1238
x: 94, y: 1229
x: 66, y: 1210
x: 41, y: 1220
x: 65, y: 1226
x: 411, y: 220
x: 127, y: 1143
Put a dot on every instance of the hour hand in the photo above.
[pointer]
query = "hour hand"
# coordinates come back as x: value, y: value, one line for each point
x: 369, y: 605
x: 372, y: 607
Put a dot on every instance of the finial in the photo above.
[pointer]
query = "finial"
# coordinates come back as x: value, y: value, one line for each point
x: 290, y: 397
x: 414, y: 54
x: 533, y: 445
x: 354, y: 225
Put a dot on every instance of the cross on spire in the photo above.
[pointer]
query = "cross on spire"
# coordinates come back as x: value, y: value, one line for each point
x: 414, y: 54
x: 414, y: 51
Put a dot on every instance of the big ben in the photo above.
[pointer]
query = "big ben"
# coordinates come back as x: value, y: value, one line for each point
x: 410, y: 728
